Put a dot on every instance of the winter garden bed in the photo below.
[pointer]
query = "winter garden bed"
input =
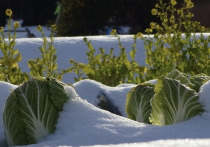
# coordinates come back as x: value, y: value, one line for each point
x: 82, y: 123
x: 171, y: 109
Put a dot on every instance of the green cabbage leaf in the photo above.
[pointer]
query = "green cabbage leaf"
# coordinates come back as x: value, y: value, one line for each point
x: 173, y: 102
x: 31, y: 111
x: 138, y: 102
x: 198, y: 81
x: 182, y: 78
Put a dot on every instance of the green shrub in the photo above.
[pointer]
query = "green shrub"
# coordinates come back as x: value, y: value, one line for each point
x: 175, y: 43
x: 46, y: 65
x: 9, y: 69
x: 107, y: 68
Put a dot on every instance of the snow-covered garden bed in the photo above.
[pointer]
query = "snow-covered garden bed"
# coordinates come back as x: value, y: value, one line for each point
x: 82, y: 123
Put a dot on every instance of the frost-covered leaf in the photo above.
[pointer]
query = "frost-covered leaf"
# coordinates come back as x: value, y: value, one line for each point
x: 199, y: 80
x: 173, y: 102
x: 31, y: 111
x: 138, y: 102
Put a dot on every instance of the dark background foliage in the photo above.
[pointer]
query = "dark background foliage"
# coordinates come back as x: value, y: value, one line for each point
x: 82, y: 17
x: 92, y: 17
x: 31, y: 12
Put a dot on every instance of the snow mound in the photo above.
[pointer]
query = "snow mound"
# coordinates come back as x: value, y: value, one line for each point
x: 81, y: 123
x: 5, y: 90
x: 91, y: 90
x: 204, y: 96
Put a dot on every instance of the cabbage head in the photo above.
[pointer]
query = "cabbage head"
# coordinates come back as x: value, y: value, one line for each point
x: 173, y: 102
x: 31, y: 111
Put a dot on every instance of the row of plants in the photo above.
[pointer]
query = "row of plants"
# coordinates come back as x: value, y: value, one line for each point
x: 171, y: 44
x: 175, y: 42
x: 42, y: 66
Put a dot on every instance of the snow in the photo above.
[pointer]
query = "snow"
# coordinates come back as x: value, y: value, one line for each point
x: 82, y: 123
x: 204, y: 96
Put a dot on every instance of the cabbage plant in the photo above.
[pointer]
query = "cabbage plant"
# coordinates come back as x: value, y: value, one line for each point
x: 31, y: 111
x: 173, y: 102
x: 173, y: 99
x: 138, y: 102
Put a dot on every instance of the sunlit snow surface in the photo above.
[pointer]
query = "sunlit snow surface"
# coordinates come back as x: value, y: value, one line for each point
x: 82, y: 123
